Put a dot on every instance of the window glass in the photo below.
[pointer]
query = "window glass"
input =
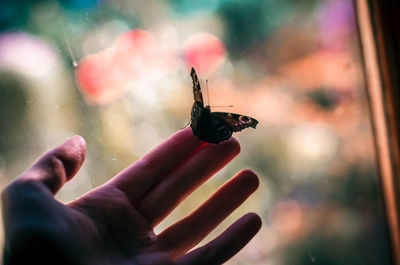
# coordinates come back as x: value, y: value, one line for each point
x: 117, y: 73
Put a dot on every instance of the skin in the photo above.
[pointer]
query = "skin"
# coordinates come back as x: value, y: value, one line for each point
x: 113, y: 224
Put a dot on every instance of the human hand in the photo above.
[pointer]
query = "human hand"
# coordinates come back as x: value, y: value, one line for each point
x: 113, y: 224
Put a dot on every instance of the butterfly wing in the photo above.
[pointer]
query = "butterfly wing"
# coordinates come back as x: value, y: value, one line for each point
x: 214, y: 127
x: 209, y: 128
x: 237, y: 122
x: 197, y: 94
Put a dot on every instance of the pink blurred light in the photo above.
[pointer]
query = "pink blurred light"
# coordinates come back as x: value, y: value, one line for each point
x: 27, y: 54
x: 204, y: 51
x: 134, y: 58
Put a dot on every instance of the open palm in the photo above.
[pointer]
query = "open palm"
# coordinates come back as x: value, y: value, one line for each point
x: 113, y: 224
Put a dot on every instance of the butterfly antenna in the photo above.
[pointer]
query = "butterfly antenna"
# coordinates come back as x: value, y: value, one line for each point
x: 226, y: 106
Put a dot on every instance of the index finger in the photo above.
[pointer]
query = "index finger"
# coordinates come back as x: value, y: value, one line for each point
x: 138, y: 178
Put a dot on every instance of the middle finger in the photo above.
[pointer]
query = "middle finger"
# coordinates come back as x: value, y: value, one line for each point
x: 171, y: 190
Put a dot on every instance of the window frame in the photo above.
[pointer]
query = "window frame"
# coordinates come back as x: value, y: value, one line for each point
x: 379, y: 30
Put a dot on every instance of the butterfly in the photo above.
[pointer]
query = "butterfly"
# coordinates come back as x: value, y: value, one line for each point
x: 214, y: 127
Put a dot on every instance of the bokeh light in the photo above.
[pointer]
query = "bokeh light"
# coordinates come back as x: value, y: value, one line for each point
x: 134, y: 58
x: 27, y: 54
x: 204, y: 52
x: 117, y: 73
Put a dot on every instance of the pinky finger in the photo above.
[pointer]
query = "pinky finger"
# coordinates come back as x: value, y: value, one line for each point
x: 226, y: 245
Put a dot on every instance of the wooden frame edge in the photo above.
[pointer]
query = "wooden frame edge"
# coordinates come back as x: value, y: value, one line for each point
x: 381, y: 88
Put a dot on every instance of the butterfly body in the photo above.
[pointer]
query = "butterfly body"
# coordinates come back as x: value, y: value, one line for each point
x: 214, y: 127
x: 207, y: 127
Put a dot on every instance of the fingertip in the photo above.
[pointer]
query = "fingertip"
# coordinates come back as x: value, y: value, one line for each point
x: 77, y: 141
x: 247, y: 226
x: 253, y: 220
x: 72, y: 153
x: 231, y: 145
x: 235, y: 145
x: 250, y: 178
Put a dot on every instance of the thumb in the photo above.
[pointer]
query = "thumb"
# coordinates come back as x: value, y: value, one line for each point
x: 58, y: 165
x: 32, y: 219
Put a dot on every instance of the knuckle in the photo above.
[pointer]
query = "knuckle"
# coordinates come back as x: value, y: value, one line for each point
x: 21, y: 185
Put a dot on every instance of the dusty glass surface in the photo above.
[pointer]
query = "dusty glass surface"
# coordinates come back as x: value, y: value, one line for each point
x: 117, y: 73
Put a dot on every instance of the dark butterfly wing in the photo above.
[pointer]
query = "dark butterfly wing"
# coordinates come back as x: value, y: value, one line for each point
x: 237, y: 122
x: 197, y: 118
x: 197, y: 94
x: 207, y: 127
x: 214, y: 127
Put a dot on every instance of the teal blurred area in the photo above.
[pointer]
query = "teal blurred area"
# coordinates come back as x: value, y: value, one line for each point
x: 117, y: 73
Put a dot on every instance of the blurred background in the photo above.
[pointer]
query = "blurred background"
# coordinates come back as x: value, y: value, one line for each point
x: 117, y: 73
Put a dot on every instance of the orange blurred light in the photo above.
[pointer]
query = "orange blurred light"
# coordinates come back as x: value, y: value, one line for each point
x: 288, y: 217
